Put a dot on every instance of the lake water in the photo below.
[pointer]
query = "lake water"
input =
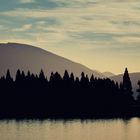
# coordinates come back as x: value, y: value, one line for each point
x: 115, y: 129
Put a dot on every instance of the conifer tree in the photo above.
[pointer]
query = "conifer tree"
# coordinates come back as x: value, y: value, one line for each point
x: 18, y: 76
x: 28, y: 74
x: 127, y: 86
x: 66, y: 76
x: 83, y: 78
x: 8, y: 76
x: 51, y: 77
x: 41, y: 75
x: 72, y: 78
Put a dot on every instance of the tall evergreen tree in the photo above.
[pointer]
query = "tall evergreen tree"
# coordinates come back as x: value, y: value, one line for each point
x: 72, y: 78
x: 83, y: 78
x: 66, y: 76
x: 28, y: 74
x: 23, y: 75
x: 18, y: 76
x: 87, y: 79
x: 42, y: 75
x: 51, y: 77
x: 8, y: 76
x: 127, y: 86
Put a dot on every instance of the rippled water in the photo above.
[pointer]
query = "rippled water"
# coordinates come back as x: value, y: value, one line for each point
x: 71, y: 130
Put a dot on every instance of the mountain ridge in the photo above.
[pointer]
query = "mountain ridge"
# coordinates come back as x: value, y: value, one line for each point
x: 108, y: 74
x: 15, y: 56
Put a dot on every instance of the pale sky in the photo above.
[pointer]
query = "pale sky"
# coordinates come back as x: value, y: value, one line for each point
x: 101, y: 34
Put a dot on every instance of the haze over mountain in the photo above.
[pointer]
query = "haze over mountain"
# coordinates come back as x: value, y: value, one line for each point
x: 15, y: 56
x: 108, y: 74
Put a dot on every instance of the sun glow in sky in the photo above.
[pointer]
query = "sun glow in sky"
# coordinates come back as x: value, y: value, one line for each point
x: 101, y: 34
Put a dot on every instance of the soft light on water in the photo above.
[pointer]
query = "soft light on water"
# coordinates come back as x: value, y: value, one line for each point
x: 71, y: 130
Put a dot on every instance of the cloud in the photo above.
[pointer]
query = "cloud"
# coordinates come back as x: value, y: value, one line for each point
x: 98, y: 24
x: 3, y: 27
x: 96, y: 1
x: 23, y: 28
x: 26, y: 1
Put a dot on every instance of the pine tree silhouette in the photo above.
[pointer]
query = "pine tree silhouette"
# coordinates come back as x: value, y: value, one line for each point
x: 8, y: 76
x: 66, y: 76
x: 28, y: 74
x: 18, y: 76
x: 41, y: 75
x: 66, y: 96
x: 127, y: 86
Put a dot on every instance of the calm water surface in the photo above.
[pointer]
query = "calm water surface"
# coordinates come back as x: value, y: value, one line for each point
x: 116, y: 129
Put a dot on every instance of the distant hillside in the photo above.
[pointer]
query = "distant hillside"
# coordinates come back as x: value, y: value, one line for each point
x: 135, y: 77
x: 108, y: 74
x: 15, y: 56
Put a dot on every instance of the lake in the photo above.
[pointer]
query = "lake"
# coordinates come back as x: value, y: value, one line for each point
x: 113, y: 129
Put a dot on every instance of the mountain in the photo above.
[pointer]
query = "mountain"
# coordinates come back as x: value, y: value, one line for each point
x: 108, y: 74
x: 15, y: 56
x: 135, y: 77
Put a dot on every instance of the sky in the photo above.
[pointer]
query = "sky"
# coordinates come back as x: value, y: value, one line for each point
x: 101, y: 34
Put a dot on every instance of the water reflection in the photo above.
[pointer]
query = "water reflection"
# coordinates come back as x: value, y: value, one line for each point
x: 116, y: 129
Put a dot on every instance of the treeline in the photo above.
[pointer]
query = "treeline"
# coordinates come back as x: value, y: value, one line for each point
x: 36, y: 96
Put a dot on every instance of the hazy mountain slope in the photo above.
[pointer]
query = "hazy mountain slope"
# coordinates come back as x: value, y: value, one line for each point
x: 108, y: 74
x: 25, y: 57
x: 135, y: 77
